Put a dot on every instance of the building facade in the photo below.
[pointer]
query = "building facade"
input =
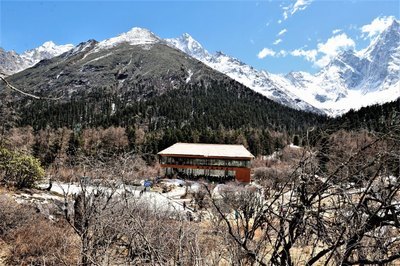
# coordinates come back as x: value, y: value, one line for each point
x: 219, y: 162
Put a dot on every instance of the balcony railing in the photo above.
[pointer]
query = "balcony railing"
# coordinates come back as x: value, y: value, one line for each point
x: 205, y: 162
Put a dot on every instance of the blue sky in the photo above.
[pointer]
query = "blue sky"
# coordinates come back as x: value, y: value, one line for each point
x: 279, y: 36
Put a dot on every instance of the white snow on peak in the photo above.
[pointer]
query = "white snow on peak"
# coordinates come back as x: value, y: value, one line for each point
x: 351, y: 80
x: 46, y: 51
x: 262, y: 82
x: 82, y: 47
x: 51, y: 47
x: 13, y: 62
x: 135, y: 36
x: 190, y: 46
x: 382, y: 39
x: 47, y: 45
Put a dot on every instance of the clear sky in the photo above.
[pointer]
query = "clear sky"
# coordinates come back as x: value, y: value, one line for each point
x: 279, y: 36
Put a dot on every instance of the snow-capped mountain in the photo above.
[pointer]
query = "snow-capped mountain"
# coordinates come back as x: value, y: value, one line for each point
x: 135, y: 36
x: 350, y: 81
x: 11, y: 62
x: 260, y: 81
x: 190, y: 46
x: 137, y: 56
x: 355, y: 79
x: 45, y: 51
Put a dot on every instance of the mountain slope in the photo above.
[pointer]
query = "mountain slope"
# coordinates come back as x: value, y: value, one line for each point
x: 138, y: 79
x: 119, y: 66
x: 260, y: 81
x: 351, y: 80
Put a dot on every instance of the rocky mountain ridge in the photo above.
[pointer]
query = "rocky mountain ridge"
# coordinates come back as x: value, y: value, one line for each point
x: 131, y: 81
x: 12, y: 62
x: 349, y: 81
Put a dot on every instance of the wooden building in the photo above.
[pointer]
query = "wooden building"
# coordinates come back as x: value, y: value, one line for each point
x: 211, y: 161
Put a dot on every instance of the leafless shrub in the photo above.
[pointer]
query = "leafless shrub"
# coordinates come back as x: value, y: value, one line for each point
x: 20, y: 139
x: 292, y: 154
x: 33, y: 239
x: 42, y: 243
x: 318, y: 214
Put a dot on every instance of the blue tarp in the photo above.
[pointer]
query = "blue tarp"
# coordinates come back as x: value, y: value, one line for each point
x: 147, y: 183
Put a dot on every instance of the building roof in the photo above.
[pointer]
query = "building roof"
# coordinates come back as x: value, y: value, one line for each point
x: 207, y: 150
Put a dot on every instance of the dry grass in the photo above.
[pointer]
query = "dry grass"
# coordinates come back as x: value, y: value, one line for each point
x: 4, y: 252
x: 42, y: 242
x: 28, y: 238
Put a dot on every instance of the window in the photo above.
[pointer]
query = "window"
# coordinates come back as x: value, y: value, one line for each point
x: 205, y: 162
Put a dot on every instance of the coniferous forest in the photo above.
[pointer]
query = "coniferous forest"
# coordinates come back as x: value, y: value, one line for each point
x: 217, y: 112
x: 81, y: 184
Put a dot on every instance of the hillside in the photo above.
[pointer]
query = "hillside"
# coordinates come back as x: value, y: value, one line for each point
x: 350, y: 80
x: 136, y: 81
x: 375, y: 118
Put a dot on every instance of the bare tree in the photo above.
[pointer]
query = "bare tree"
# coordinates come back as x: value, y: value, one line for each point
x: 240, y: 216
x: 345, y: 213
x: 117, y: 226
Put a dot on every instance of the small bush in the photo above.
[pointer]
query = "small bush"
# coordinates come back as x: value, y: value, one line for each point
x: 21, y: 171
x: 272, y: 177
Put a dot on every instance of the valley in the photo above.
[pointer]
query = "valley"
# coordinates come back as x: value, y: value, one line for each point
x: 308, y: 173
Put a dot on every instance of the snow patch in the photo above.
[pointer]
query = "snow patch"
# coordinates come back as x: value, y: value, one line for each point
x: 294, y: 146
x: 96, y: 59
x: 152, y: 199
x: 135, y: 36
x: 190, y: 74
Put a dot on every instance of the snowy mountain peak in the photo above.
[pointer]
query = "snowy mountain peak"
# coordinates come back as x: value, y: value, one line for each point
x: 140, y: 35
x: 47, y: 50
x: 82, y: 47
x: 190, y: 46
x: 391, y: 34
x: 260, y: 81
x: 11, y: 62
x: 136, y: 36
x: 387, y: 39
x: 394, y: 26
x: 48, y: 44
